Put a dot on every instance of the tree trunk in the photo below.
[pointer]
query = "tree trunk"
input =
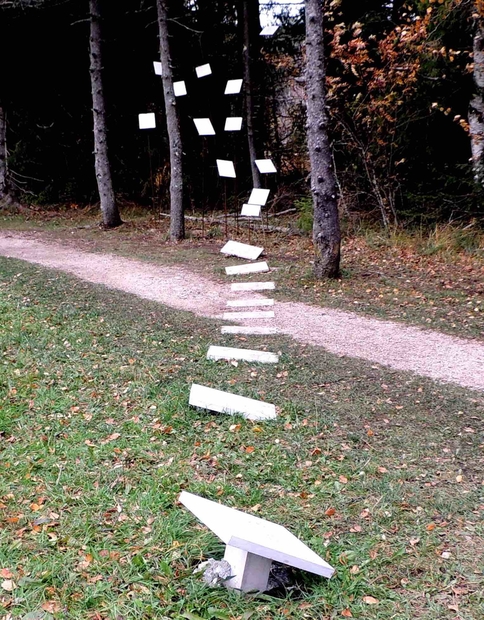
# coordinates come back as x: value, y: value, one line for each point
x: 177, y: 220
x: 476, y: 107
x: 3, y: 154
x: 109, y: 209
x: 326, y: 230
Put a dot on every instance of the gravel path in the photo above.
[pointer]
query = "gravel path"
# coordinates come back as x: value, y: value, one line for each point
x: 425, y: 352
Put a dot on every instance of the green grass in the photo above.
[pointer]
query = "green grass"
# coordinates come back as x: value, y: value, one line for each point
x: 380, y: 472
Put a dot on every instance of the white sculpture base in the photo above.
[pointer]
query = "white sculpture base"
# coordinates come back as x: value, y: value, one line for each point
x: 250, y: 572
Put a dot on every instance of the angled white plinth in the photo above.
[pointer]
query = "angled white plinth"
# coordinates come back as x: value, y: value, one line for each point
x: 265, y: 166
x: 246, y: 303
x: 255, y: 536
x: 147, y: 121
x: 204, y: 126
x: 250, y: 572
x: 203, y: 70
x: 226, y: 168
x: 248, y: 355
x: 242, y: 250
x: 179, y: 88
x: 248, y: 330
x: 157, y: 66
x: 241, y: 269
x: 259, y: 196
x: 224, y: 402
x: 250, y: 211
x: 233, y: 87
x: 252, y: 286
x: 268, y: 31
x: 233, y: 123
x: 250, y: 314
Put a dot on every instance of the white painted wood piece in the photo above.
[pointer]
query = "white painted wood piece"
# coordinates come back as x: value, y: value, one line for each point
x: 248, y: 329
x: 233, y: 123
x: 248, y: 355
x: 268, y: 31
x: 203, y: 70
x: 157, y: 66
x: 147, y: 121
x: 250, y: 211
x: 226, y: 168
x: 247, y: 303
x: 259, y: 196
x: 249, y: 314
x: 252, y: 286
x: 242, y: 250
x: 233, y: 87
x: 231, y: 404
x: 257, y: 537
x: 242, y: 269
x: 179, y: 88
x: 204, y: 126
x: 265, y: 166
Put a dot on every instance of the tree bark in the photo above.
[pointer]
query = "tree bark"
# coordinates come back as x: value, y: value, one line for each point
x: 177, y: 220
x: 326, y: 229
x: 109, y: 209
x: 3, y: 154
x: 476, y: 106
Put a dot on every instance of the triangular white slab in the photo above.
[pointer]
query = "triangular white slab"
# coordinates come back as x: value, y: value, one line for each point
x: 248, y: 355
x: 265, y: 165
x: 233, y: 123
x: 249, y: 314
x: 233, y: 87
x: 248, y: 329
x: 204, y: 126
x: 242, y: 250
x: 226, y: 168
x: 224, y: 402
x: 247, y: 303
x: 252, y: 268
x: 268, y: 31
x: 257, y: 537
x: 147, y: 121
x: 252, y: 286
x: 203, y: 70
x: 259, y: 196
x: 157, y: 66
x: 250, y: 211
x: 179, y: 88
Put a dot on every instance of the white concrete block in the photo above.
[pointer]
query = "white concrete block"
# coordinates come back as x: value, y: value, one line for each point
x: 233, y: 123
x: 204, y: 126
x: 203, y: 70
x: 246, y: 303
x: 250, y: 211
x: 268, y: 31
x: 233, y: 87
x: 242, y: 269
x: 226, y: 168
x: 242, y: 250
x: 259, y: 196
x: 252, y: 286
x: 224, y: 402
x: 179, y: 88
x: 249, y: 330
x: 250, y: 314
x: 250, y: 572
x: 147, y: 121
x: 157, y: 67
x: 247, y: 355
x: 265, y: 166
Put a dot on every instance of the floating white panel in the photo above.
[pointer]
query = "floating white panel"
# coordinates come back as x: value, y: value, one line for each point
x: 242, y: 250
x: 268, y: 31
x: 250, y: 314
x: 203, y: 70
x: 252, y: 268
x: 248, y: 303
x: 157, y: 66
x: 265, y: 166
x: 248, y: 329
x: 252, y: 286
x: 204, y: 126
x: 259, y: 196
x: 233, y: 87
x: 250, y: 211
x: 226, y: 168
x: 147, y: 121
x: 233, y: 123
x: 179, y: 88
x: 224, y: 402
x: 248, y: 355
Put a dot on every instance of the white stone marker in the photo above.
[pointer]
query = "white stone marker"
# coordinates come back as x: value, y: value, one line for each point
x: 250, y: 314
x: 248, y: 329
x: 204, y: 126
x: 224, y: 402
x: 252, y: 286
x: 268, y: 31
x: 265, y: 166
x: 246, y: 303
x: 259, y: 196
x: 157, y: 66
x: 233, y: 123
x: 233, y: 87
x: 248, y: 355
x: 226, y: 168
x: 250, y: 211
x: 252, y: 268
x: 203, y: 70
x: 179, y: 88
x: 253, y: 543
x: 242, y: 250
x: 147, y: 121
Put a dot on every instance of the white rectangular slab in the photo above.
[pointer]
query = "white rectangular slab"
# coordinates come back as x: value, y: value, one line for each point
x: 265, y: 166
x: 224, y: 402
x: 249, y: 314
x: 241, y: 269
x: 259, y: 196
x: 252, y: 286
x: 250, y: 211
x: 233, y: 87
x: 248, y: 329
x: 248, y: 355
x: 157, y: 66
x: 268, y: 31
x: 246, y: 303
x: 203, y: 70
x: 204, y: 126
x: 147, y: 121
x: 226, y: 168
x: 179, y: 88
x: 242, y: 250
x: 233, y: 123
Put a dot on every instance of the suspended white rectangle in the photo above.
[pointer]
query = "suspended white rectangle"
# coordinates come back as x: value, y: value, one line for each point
x: 233, y: 123
x: 157, y: 66
x: 249, y: 314
x: 250, y: 211
x: 248, y: 330
x: 224, y: 402
x: 248, y: 303
x: 204, y: 126
x: 265, y: 166
x: 179, y: 88
x: 268, y: 31
x: 247, y: 355
x: 259, y: 196
x: 253, y: 286
x: 203, y: 70
x: 147, y: 121
x: 242, y: 250
x: 226, y: 168
x: 233, y: 87
x: 252, y: 268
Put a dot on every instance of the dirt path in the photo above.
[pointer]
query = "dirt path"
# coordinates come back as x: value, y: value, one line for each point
x: 424, y: 352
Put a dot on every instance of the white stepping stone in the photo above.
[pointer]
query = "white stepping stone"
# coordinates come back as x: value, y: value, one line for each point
x: 204, y: 126
x: 268, y: 31
x: 248, y: 329
x: 252, y: 544
x: 252, y: 286
x: 226, y: 168
x: 250, y: 211
x: 259, y: 196
x: 147, y: 121
x: 246, y: 303
x: 248, y: 355
x: 265, y: 166
x: 203, y: 70
x: 241, y: 269
x: 250, y: 314
x: 233, y: 87
x: 224, y: 402
x: 233, y: 123
x: 179, y: 88
x: 242, y: 250
x: 157, y: 66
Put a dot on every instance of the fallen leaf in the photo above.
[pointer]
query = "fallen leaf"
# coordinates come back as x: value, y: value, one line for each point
x: 9, y: 585
x: 370, y: 600
x: 430, y: 527
x: 250, y: 449
x: 346, y: 613
x: 330, y: 512
x: 343, y: 479
x: 6, y: 573
x: 51, y: 606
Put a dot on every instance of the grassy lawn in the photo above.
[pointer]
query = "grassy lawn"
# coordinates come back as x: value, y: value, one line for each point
x: 378, y: 471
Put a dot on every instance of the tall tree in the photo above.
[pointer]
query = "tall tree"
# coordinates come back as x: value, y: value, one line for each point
x: 326, y: 229
x: 476, y: 105
x: 4, y: 194
x: 177, y: 220
x: 109, y: 209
